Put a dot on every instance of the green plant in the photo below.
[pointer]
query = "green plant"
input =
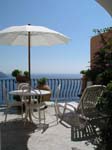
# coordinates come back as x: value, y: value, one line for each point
x: 102, y: 61
x: 102, y: 64
x: 105, y: 101
x: 16, y: 72
x: 89, y: 73
x: 104, y: 105
x: 26, y: 73
x: 99, y: 31
x: 42, y: 81
x: 83, y: 72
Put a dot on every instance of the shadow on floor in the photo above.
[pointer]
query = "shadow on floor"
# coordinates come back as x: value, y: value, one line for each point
x: 15, y: 135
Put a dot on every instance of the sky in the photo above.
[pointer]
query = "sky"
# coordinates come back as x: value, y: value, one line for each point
x: 73, y: 18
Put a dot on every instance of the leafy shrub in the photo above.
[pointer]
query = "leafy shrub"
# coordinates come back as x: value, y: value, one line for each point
x: 42, y: 81
x: 105, y: 105
x: 16, y: 72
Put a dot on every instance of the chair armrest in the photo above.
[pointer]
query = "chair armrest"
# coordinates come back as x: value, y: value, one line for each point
x: 67, y: 106
x: 70, y: 107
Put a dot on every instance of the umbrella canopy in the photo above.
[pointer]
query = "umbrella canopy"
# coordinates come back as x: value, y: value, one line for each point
x: 106, y: 4
x: 31, y: 36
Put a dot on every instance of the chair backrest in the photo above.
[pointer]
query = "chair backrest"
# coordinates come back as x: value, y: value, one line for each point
x: 21, y: 85
x: 56, y: 100
x: 88, y: 101
x: 57, y: 93
x: 5, y: 95
x: 34, y: 98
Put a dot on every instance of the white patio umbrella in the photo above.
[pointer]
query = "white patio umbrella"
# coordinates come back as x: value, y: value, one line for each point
x: 106, y: 4
x: 31, y: 36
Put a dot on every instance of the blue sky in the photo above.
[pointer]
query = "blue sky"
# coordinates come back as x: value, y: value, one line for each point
x: 74, y: 18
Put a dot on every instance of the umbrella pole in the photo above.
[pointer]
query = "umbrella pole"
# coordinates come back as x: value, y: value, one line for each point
x: 29, y: 46
x: 29, y: 64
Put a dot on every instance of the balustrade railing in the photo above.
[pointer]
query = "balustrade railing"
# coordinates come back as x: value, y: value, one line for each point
x: 70, y: 88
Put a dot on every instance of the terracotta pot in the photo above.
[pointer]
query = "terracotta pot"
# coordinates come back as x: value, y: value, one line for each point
x: 84, y: 83
x: 21, y: 79
x: 45, y: 87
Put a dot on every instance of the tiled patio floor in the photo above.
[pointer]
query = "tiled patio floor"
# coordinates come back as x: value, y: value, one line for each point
x: 52, y: 136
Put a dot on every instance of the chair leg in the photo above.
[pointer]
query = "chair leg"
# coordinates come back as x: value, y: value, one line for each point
x: 22, y: 111
x: 5, y: 118
x: 56, y: 113
x: 6, y: 114
x: 39, y: 113
x: 26, y: 111
x: 44, y: 116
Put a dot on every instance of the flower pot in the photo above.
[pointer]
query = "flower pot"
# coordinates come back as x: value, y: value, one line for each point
x: 21, y: 79
x: 45, y: 87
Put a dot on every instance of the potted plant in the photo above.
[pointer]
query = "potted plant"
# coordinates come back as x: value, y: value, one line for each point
x: 26, y: 73
x: 42, y: 81
x: 42, y: 85
x: 23, y: 78
x: 16, y: 72
x: 20, y: 77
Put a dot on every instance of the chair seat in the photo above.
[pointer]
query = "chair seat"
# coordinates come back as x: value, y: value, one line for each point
x: 69, y: 105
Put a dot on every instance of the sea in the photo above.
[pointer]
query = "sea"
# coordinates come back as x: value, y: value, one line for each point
x: 48, y: 75
x: 57, y: 76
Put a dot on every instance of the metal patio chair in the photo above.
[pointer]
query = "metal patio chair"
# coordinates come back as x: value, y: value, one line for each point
x: 83, y: 117
x: 56, y: 101
x: 35, y: 104
x: 11, y: 104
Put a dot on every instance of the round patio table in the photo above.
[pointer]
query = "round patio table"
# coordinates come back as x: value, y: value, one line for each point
x: 29, y: 93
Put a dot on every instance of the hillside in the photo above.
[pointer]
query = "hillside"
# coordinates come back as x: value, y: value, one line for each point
x: 3, y: 75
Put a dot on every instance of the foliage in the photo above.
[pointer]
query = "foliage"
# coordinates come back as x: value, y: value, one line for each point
x: 102, y: 62
x: 89, y: 73
x: 105, y: 105
x: 105, y: 101
x: 102, y: 71
x: 16, y: 72
x: 26, y: 73
x: 98, y: 31
x: 42, y: 81
x: 103, y: 66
